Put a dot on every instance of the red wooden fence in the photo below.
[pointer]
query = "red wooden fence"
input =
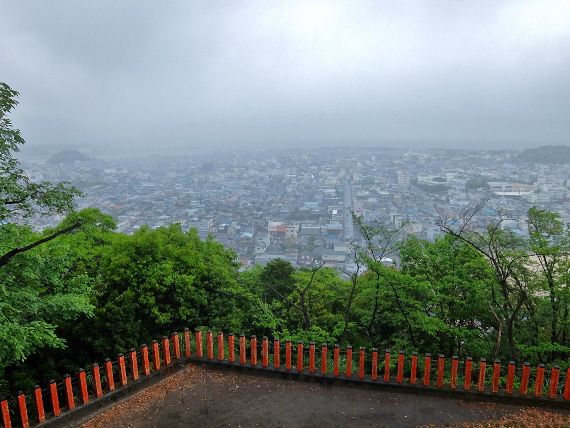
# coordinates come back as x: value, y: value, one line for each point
x: 83, y: 388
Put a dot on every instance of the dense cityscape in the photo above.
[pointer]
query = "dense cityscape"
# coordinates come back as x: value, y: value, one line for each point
x: 296, y: 204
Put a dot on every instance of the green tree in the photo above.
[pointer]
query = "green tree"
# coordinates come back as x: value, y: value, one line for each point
x: 457, y: 280
x: 550, y: 246
x: 19, y: 196
x: 315, y: 305
x: 155, y: 281
x: 380, y: 241
x: 353, y: 275
x: 277, y: 279
x: 43, y: 291
x: 507, y: 254
x: 39, y: 286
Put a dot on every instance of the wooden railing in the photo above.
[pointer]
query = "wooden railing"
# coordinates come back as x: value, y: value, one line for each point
x: 536, y: 385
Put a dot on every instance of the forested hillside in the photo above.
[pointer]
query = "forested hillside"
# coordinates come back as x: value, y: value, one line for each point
x: 546, y: 154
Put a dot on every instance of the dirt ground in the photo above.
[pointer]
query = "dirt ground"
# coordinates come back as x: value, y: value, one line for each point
x: 213, y: 397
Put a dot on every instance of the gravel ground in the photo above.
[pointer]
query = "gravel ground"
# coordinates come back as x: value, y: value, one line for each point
x: 210, y: 397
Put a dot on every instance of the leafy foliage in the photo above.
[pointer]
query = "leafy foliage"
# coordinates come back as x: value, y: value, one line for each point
x: 95, y: 292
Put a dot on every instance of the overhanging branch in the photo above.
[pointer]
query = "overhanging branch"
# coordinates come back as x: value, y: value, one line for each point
x: 4, y: 259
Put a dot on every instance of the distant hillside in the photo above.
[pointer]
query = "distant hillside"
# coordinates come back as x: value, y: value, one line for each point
x: 68, y: 156
x: 546, y: 154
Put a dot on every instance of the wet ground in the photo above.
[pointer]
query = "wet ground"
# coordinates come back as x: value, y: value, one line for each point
x: 214, y: 397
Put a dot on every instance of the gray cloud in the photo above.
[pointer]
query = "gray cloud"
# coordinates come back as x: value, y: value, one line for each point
x: 194, y: 74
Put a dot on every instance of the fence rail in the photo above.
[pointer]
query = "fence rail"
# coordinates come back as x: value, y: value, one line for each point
x: 429, y: 373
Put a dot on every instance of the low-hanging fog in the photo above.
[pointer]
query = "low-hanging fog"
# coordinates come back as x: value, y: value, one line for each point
x: 187, y: 75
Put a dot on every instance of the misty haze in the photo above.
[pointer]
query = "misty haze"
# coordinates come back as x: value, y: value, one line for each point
x: 374, y: 174
x: 131, y: 76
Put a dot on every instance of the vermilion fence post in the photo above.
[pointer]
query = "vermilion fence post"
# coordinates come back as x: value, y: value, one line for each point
x: 539, y: 381
x: 144, y: 360
x: 242, y: 349
x: 109, y: 374
x: 221, y: 350
x: 440, y: 370
x: 155, y: 356
x: 288, y: 354
x: 209, y: 345
x: 264, y: 352
x: 253, y: 350
x: 166, y: 350
x: 83, y: 386
x: 387, y: 366
x: 24, y: 421
x: 453, y: 375
x: 496, y: 376
x: 348, y: 372
x: 481, y: 380
x: 427, y: 369
x: 122, y: 369
x: 134, y: 364
x: 414, y: 368
x: 554, y: 376
x: 199, y: 350
x: 336, y: 356
x: 510, y: 377
x: 97, y: 380
x: 39, y: 399
x: 68, y: 392
x: 324, y: 352
x: 300, y: 357
x: 468, y: 370
x: 374, y: 368
x: 276, y: 353
x: 176, y: 344
x: 312, y: 357
x: 361, y: 363
x: 566, y: 391
x: 54, y: 398
x: 6, y: 420
x: 400, y: 372
x: 187, y: 343
x: 524, y: 378
x: 231, y: 348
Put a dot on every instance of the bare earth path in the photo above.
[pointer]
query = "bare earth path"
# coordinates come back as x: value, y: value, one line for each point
x: 208, y: 397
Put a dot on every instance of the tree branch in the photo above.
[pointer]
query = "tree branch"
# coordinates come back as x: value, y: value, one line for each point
x: 4, y: 259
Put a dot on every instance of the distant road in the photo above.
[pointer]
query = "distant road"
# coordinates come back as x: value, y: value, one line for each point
x: 348, y: 225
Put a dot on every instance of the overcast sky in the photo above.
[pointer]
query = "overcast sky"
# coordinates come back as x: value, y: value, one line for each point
x: 159, y: 74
